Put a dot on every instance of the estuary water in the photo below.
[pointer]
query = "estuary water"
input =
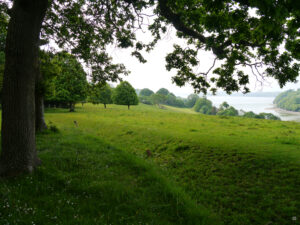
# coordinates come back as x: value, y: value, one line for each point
x: 255, y: 104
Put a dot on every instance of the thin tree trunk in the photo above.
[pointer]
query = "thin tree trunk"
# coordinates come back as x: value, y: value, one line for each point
x: 72, y: 107
x: 128, y: 107
x: 18, y: 115
x: 40, y: 123
x: 104, y: 105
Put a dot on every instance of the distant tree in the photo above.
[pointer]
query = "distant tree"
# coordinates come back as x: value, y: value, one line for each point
x: 105, y: 95
x: 158, y: 99
x: 124, y: 94
x: 146, y: 92
x: 230, y: 111
x: 145, y: 100
x: 163, y: 91
x: 172, y: 100
x: 224, y: 105
x: 191, y: 100
x: 100, y: 94
x: 214, y: 111
x: 269, y: 116
x: 203, y: 105
x: 70, y: 85
x: 250, y: 114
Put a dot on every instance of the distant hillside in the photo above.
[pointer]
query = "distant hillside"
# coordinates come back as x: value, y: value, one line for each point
x: 289, y: 100
x: 252, y: 94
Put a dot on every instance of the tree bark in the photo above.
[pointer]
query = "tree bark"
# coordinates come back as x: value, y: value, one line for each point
x: 104, y: 106
x: 128, y: 107
x: 18, y: 115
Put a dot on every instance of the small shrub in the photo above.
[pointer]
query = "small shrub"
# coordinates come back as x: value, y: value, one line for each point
x: 53, y: 128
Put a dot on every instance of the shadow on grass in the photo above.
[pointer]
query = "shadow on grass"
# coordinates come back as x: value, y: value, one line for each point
x: 85, y: 181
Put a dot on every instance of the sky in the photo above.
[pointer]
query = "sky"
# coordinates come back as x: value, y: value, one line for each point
x: 153, y: 74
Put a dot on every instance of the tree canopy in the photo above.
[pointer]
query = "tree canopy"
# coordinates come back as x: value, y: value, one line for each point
x: 100, y: 94
x: 163, y: 91
x: 191, y: 100
x: 261, y: 35
x: 124, y: 94
x: 146, y: 92
x: 69, y: 85
x: 203, y: 105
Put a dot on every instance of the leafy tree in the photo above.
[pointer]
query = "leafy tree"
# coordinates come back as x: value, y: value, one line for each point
x: 224, y: 105
x: 163, y: 91
x: 172, y: 100
x: 249, y: 114
x: 49, y: 68
x: 125, y: 94
x: 268, y: 116
x: 191, y: 100
x: 203, y: 105
x: 157, y: 99
x: 236, y: 37
x: 70, y: 85
x: 146, y: 92
x: 145, y: 100
x: 230, y: 111
x: 101, y: 94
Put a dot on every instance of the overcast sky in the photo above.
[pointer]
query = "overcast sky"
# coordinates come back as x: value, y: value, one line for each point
x: 153, y: 74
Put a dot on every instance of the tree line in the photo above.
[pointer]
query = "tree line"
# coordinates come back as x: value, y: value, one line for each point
x: 289, y: 100
x: 205, y: 106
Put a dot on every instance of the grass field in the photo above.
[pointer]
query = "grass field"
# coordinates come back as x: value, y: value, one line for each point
x: 202, y: 170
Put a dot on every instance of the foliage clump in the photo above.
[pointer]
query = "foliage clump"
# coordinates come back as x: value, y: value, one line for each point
x: 100, y: 94
x: 289, y: 100
x: 204, y: 106
x: 69, y: 86
x: 124, y: 94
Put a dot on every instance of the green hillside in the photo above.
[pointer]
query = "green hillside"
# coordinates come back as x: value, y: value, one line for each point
x: 289, y: 100
x: 149, y: 165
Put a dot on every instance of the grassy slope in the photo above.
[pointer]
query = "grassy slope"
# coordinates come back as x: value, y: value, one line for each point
x: 83, y: 180
x: 245, y: 170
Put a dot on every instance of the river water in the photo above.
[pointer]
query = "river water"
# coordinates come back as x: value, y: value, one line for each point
x: 255, y: 104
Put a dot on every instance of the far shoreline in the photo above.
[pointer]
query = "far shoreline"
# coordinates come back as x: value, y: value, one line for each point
x: 280, y: 110
x: 286, y: 115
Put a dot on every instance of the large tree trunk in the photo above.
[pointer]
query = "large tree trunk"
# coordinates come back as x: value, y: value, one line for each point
x: 18, y: 115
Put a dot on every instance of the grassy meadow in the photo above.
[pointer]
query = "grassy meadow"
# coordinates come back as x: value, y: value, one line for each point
x: 149, y: 165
